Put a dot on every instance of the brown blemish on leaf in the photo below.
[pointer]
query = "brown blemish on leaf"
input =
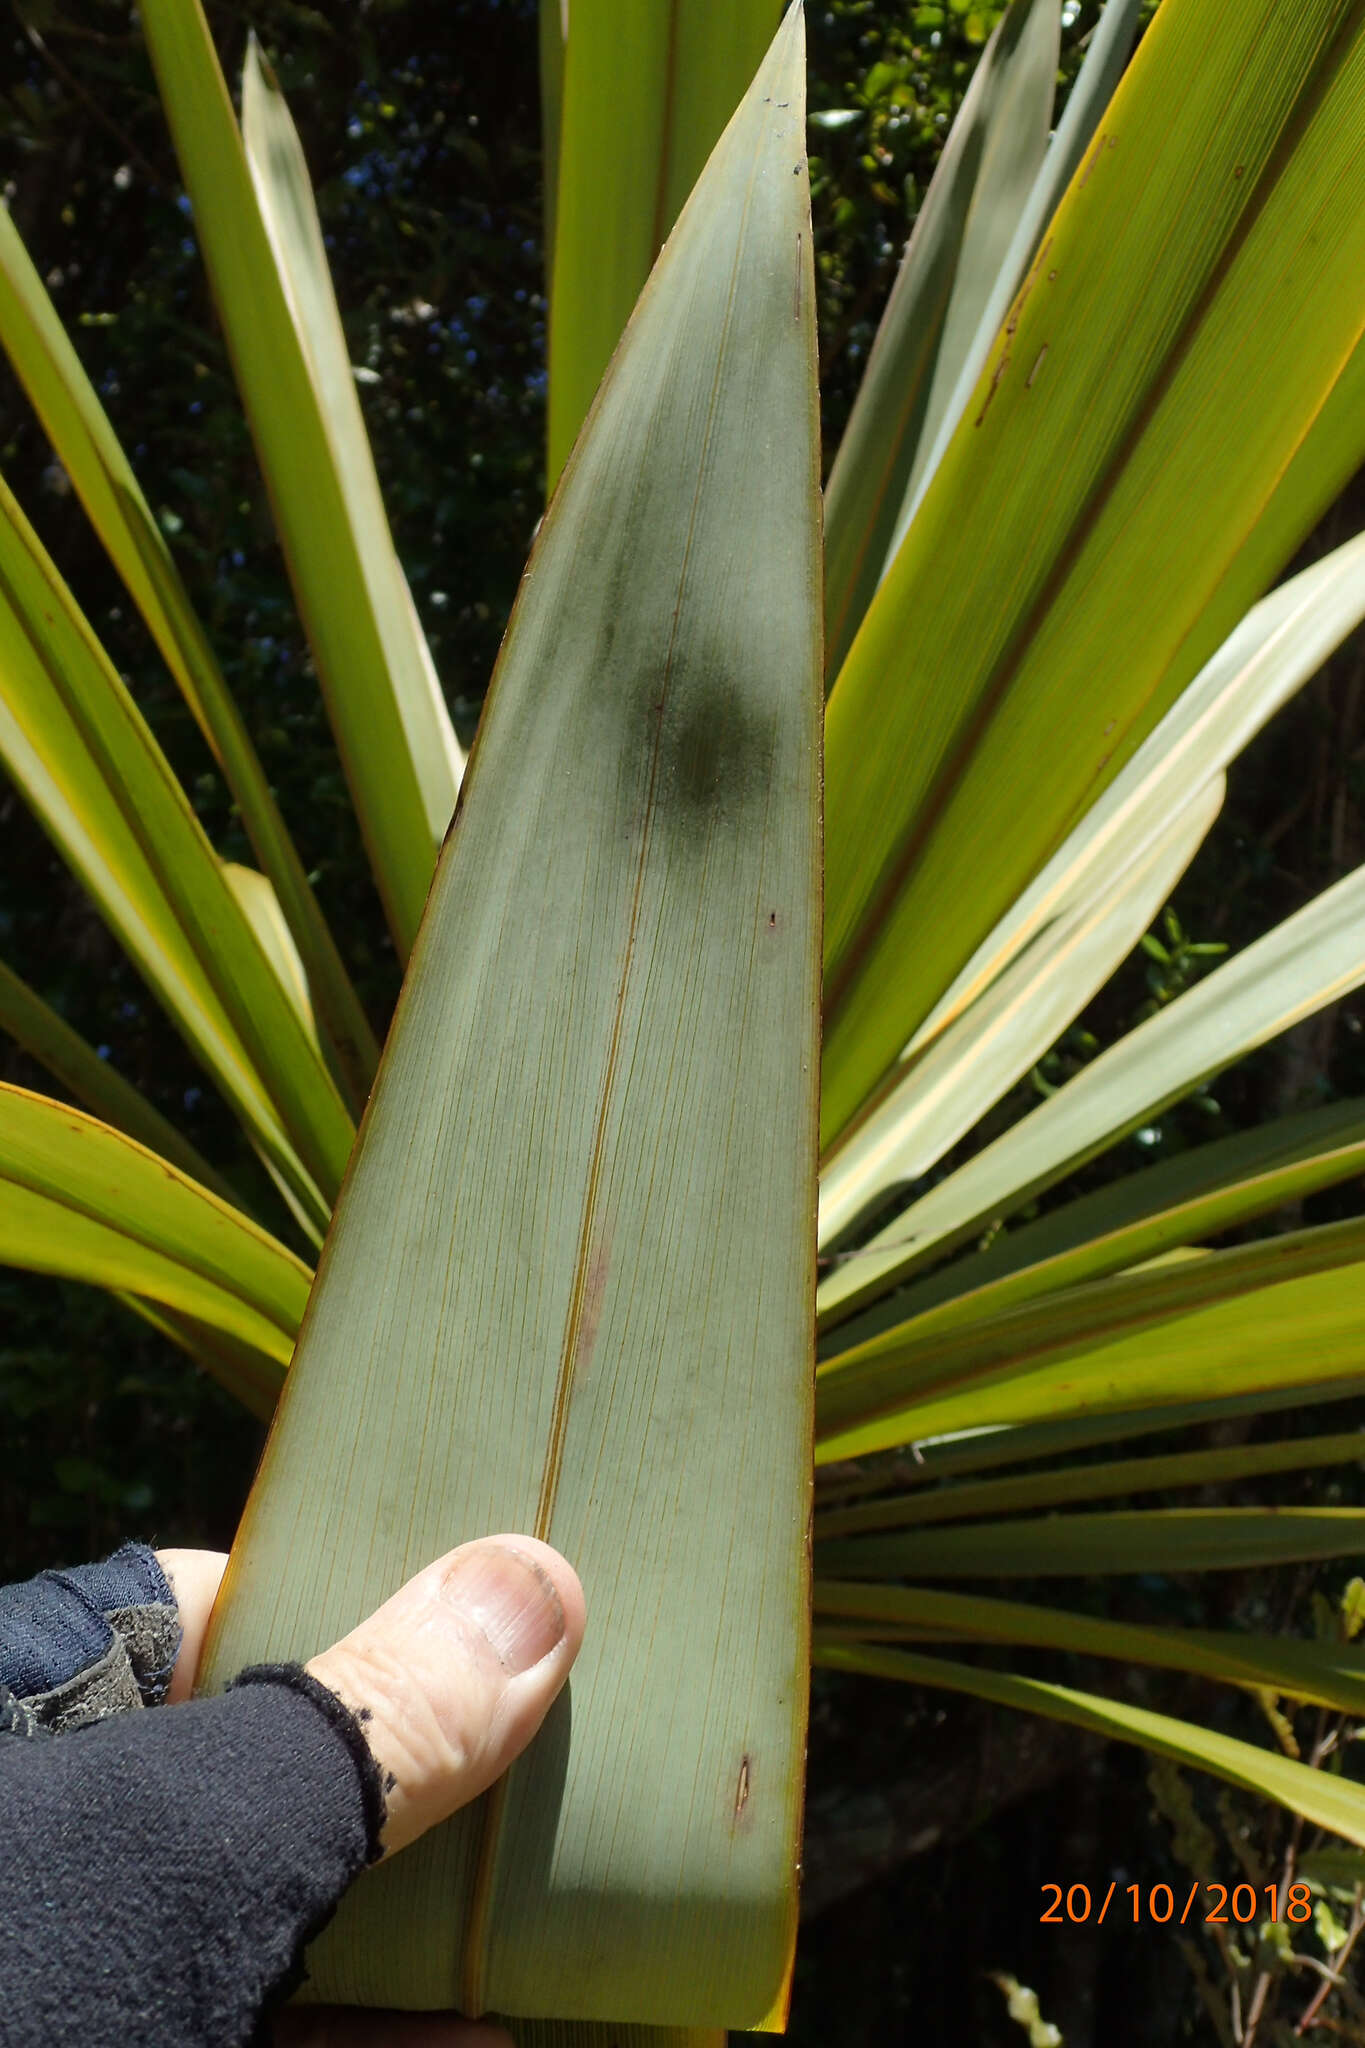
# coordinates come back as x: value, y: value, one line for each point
x: 590, y: 1315
x: 742, y: 1788
x: 1000, y: 370
x: 1095, y: 156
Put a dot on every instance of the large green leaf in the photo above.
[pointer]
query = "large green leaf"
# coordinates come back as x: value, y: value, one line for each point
x: 1111, y: 1480
x: 1024, y: 997
x: 88, y: 449
x: 567, y: 1286
x: 1197, y: 296
x: 1138, y: 1217
x: 930, y: 1353
x: 86, y: 761
x: 86, y: 1202
x: 1074, y: 1546
x: 1308, y: 961
x: 258, y: 232
x: 963, y: 233
x: 1320, y: 1796
x: 1091, y: 902
x: 1331, y: 1674
x: 49, y: 1039
x: 951, y: 1453
x: 1107, y: 50
x: 646, y: 91
x: 1235, y: 1322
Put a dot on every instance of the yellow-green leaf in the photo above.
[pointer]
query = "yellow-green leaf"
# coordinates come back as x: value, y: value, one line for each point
x: 1326, y: 1673
x: 50, y: 1040
x: 1308, y: 961
x: 1113, y: 1480
x: 84, y: 1201
x: 88, y: 449
x: 1320, y: 1796
x: 646, y: 91
x: 87, y: 763
x: 274, y: 300
x: 1074, y: 1546
x: 1192, y: 305
x: 964, y: 232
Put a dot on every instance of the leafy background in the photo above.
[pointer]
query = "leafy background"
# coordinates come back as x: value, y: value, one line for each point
x: 933, y: 1826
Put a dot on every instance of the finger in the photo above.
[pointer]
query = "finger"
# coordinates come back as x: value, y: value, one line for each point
x: 323, y: 2026
x: 457, y: 1671
x: 195, y: 1576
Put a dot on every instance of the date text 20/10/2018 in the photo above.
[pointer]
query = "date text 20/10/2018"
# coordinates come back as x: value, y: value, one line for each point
x: 1156, y: 1904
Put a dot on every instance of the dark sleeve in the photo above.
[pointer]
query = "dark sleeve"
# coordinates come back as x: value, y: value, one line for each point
x: 160, y: 1872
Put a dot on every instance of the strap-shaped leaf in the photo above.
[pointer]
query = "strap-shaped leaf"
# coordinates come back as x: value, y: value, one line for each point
x: 1320, y: 1796
x: 1331, y: 1674
x: 963, y: 233
x: 88, y: 764
x: 1107, y: 50
x: 86, y: 1202
x: 1176, y: 1202
x: 1231, y: 1323
x: 279, y: 174
x: 1315, y: 956
x: 270, y: 286
x: 568, y: 1283
x: 1131, y: 426
x: 1073, y: 1546
x: 945, y: 1084
x: 1114, y: 1479
x: 85, y: 443
x: 646, y: 91
x: 1075, y: 923
x: 49, y: 1039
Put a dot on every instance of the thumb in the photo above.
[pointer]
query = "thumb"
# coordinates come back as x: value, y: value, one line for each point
x: 453, y: 1676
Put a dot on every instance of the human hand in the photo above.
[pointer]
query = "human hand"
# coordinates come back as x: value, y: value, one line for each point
x: 455, y: 1674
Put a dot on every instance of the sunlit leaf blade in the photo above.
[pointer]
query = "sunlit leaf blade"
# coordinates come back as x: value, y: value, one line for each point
x: 1223, y: 1326
x: 951, y: 1453
x: 922, y: 1357
x: 1314, y: 957
x: 1322, y: 466
x: 554, y: 34
x: 1176, y: 1202
x: 1073, y: 1546
x: 84, y: 1201
x: 578, y: 1229
x: 50, y: 1040
x: 346, y: 580
x: 1107, y: 50
x: 85, y: 760
x: 1330, y: 1801
x: 263, y: 913
x: 1127, y: 433
x: 1112, y: 1480
x: 963, y: 233
x: 88, y: 449
x: 275, y: 159
x: 1330, y: 1674
x: 1072, y: 925
x: 1320, y: 1796
x: 968, y: 1064
x: 646, y: 92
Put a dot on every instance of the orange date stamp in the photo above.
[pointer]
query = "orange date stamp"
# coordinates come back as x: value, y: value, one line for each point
x: 1156, y: 1905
